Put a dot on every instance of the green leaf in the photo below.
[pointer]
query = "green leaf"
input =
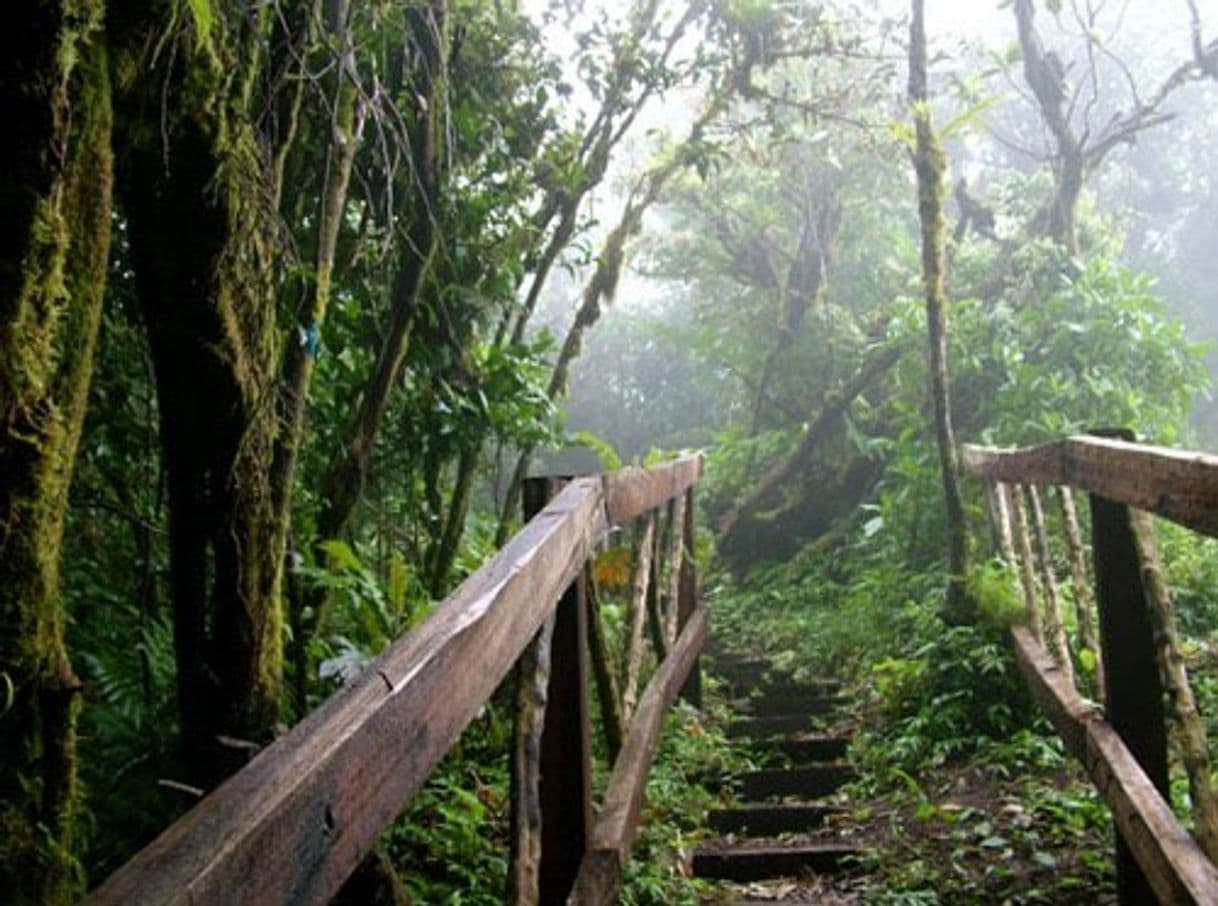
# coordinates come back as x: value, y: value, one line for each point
x: 340, y: 555
x: 204, y: 18
x: 1086, y: 660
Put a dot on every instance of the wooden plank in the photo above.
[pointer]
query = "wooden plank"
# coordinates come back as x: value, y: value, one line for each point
x: 293, y: 824
x: 566, y: 751
x: 609, y: 845
x: 1177, y: 870
x: 1134, y: 692
x: 632, y: 491
x: 1179, y: 485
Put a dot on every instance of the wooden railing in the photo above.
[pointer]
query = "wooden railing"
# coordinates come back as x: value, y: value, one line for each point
x: 1123, y: 746
x: 297, y: 820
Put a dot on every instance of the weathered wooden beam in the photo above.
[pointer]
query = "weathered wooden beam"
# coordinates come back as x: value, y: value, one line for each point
x: 1177, y: 484
x: 637, y: 616
x: 532, y: 682
x: 632, y: 491
x: 1083, y: 598
x: 609, y: 844
x: 566, y: 751
x: 674, y: 560
x: 293, y: 824
x: 1175, y: 867
x: 1055, y: 631
x: 1133, y: 695
x: 1027, y: 572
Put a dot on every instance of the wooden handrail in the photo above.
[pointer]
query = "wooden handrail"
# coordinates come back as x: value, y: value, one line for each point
x: 1175, y: 867
x: 1125, y: 752
x: 296, y: 821
x: 600, y: 872
x: 1179, y: 485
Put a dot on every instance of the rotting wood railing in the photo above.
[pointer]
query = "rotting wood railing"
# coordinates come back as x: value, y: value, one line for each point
x: 1123, y: 746
x: 296, y: 821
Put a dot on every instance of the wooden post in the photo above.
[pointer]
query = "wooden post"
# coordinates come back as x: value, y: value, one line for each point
x: 687, y: 597
x: 675, y: 537
x: 1133, y: 692
x: 553, y: 762
x: 655, y: 612
x: 637, y: 615
x: 532, y: 680
x: 566, y: 755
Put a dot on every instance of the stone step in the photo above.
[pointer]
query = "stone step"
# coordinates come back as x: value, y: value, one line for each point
x: 771, y: 820
x: 768, y: 705
x: 769, y: 726
x: 806, y: 749
x: 808, y: 781
x: 757, y: 863
x: 784, y: 689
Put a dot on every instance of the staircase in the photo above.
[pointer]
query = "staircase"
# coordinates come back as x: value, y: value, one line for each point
x: 780, y: 826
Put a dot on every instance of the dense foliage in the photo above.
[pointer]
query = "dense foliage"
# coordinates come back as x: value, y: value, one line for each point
x: 291, y: 293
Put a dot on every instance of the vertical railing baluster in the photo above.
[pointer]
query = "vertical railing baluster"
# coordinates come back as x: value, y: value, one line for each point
x: 1133, y: 691
x: 1027, y: 572
x: 1058, y: 643
x: 552, y: 763
x: 687, y: 596
x: 1083, y: 603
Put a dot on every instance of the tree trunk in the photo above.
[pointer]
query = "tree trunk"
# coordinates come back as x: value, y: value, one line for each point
x: 346, y: 475
x: 929, y: 165
x: 444, y: 550
x: 208, y: 303
x: 303, y: 343
x: 55, y: 191
x: 603, y: 282
x: 832, y: 409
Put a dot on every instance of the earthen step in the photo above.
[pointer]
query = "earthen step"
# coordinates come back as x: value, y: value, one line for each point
x: 757, y: 863
x: 808, y: 781
x: 772, y: 725
x: 806, y: 749
x: 765, y: 705
x: 771, y: 820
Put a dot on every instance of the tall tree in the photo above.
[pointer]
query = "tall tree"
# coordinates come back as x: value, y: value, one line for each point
x: 194, y: 152
x: 929, y: 165
x: 55, y: 195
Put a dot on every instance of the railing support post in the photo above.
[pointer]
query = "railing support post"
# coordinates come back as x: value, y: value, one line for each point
x: 1133, y: 689
x: 687, y: 598
x: 565, y: 755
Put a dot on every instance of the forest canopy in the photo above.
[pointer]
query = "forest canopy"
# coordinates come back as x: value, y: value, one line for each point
x: 294, y: 295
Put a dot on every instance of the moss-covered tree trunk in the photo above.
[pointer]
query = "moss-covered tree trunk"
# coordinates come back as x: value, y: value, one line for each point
x: 929, y: 165
x: 196, y: 187
x: 55, y: 188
